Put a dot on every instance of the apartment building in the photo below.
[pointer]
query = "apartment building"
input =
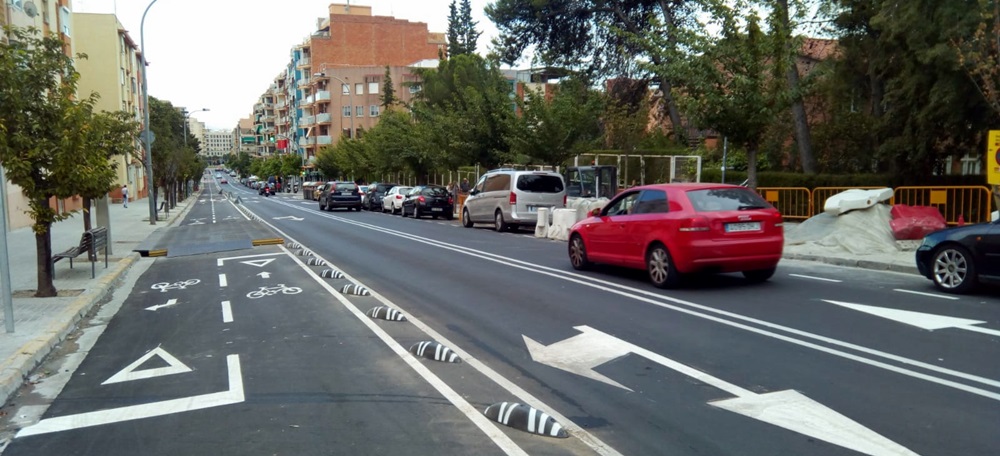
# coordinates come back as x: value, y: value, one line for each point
x: 331, y: 86
x: 217, y: 144
x: 49, y: 16
x: 113, y: 70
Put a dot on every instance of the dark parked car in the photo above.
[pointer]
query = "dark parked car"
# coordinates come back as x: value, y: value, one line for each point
x: 340, y: 194
x: 673, y: 229
x: 958, y: 258
x: 433, y: 200
x: 375, y: 194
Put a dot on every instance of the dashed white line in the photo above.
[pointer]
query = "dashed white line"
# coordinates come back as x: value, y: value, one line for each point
x: 932, y: 295
x: 222, y: 280
x: 227, y: 312
x: 815, y: 278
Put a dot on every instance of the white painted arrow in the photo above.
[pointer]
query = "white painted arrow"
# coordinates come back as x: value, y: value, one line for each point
x: 788, y: 409
x: 289, y: 217
x: 160, y: 306
x: 264, y: 275
x: 922, y: 320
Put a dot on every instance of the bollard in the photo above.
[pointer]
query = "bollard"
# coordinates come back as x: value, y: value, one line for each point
x: 562, y: 221
x: 542, y: 226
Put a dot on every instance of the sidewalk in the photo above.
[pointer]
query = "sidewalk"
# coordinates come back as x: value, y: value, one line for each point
x: 42, y: 323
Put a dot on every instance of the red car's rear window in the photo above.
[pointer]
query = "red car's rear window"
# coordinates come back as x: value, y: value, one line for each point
x: 726, y: 199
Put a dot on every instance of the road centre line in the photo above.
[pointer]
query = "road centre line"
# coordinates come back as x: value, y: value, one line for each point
x: 227, y: 312
x: 815, y: 278
x: 656, y: 299
x: 932, y: 295
x: 506, y: 444
x: 222, y: 281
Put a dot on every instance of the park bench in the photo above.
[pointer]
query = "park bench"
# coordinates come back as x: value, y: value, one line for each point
x: 91, y: 242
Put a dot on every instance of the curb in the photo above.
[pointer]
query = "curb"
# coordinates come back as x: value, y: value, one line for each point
x: 16, y: 369
x: 862, y: 264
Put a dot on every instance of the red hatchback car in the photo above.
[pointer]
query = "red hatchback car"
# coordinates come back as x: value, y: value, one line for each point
x: 673, y: 229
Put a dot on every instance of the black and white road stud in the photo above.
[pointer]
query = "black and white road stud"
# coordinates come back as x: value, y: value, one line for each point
x: 353, y: 289
x: 313, y: 261
x: 331, y: 274
x: 293, y: 245
x: 386, y: 313
x: 303, y: 252
x: 525, y: 418
x: 435, y: 351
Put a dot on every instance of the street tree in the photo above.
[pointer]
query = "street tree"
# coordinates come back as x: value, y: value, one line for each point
x: 52, y: 142
x: 462, y: 33
x: 552, y: 130
x: 732, y: 81
x: 388, y: 97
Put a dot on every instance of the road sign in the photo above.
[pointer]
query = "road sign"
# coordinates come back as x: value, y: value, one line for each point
x: 993, y: 157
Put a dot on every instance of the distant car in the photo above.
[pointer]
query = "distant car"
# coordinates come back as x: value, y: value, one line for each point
x: 364, y: 195
x: 376, y: 191
x: 393, y: 200
x: 957, y: 259
x: 433, y: 200
x: 340, y: 194
x: 224, y: 181
x: 674, y: 229
x: 318, y: 190
x: 510, y: 198
x: 218, y: 175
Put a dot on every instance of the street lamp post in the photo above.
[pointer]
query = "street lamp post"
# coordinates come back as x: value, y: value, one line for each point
x: 186, y: 114
x: 147, y: 134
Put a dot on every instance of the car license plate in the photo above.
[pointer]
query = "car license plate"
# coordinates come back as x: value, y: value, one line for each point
x: 532, y: 208
x: 743, y: 226
x: 436, y: 209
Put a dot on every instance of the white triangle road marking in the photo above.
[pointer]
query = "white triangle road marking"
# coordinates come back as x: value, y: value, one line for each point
x: 258, y: 263
x: 129, y: 373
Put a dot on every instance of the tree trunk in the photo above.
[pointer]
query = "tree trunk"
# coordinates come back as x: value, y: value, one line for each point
x: 43, y: 254
x: 752, y: 166
x: 680, y: 133
x: 87, y: 203
x: 802, y: 136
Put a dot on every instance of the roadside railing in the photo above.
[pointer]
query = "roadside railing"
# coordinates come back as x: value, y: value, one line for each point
x: 971, y: 204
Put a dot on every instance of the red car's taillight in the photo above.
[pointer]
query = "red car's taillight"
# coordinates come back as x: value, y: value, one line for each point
x: 399, y: 197
x: 421, y: 199
x: 564, y: 200
x: 450, y: 200
x: 694, y: 224
x: 513, y: 198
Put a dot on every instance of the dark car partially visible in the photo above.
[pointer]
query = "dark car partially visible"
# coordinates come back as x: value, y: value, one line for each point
x: 375, y: 194
x: 340, y: 194
x: 433, y: 200
x: 957, y: 259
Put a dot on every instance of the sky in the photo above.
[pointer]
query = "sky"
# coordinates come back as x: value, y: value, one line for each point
x: 223, y: 54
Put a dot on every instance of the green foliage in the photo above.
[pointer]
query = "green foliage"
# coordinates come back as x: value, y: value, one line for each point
x: 52, y: 142
x: 462, y: 34
x: 552, y: 131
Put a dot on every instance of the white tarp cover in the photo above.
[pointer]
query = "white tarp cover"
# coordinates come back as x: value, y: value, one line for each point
x: 863, y: 231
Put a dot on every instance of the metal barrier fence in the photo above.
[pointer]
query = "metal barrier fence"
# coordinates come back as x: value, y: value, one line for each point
x: 793, y: 202
x: 970, y: 203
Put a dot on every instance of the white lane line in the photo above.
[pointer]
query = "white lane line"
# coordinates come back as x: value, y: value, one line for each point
x: 932, y: 295
x: 501, y: 439
x: 657, y: 300
x: 227, y: 312
x: 134, y: 412
x: 222, y: 281
x: 212, y: 199
x: 815, y: 278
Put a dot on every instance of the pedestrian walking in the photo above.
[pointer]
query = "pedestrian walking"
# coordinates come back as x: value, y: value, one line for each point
x: 465, y: 185
x: 125, y: 195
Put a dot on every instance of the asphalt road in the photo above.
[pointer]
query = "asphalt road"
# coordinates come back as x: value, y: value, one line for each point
x: 811, y: 362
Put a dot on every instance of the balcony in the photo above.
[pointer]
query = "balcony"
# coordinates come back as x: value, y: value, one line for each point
x: 304, y: 141
x: 323, y: 118
x: 281, y: 105
x: 323, y: 95
x: 324, y: 140
x: 303, y: 62
x: 305, y: 121
x: 282, y: 121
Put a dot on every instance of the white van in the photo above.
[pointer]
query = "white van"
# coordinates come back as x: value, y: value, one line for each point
x: 509, y: 198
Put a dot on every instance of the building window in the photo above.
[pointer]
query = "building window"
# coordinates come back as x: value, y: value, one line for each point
x: 345, y: 89
x: 373, y: 111
x: 347, y: 111
x: 414, y: 88
x: 346, y: 133
x: 64, y: 17
x: 372, y: 87
x: 359, y: 111
x: 359, y: 89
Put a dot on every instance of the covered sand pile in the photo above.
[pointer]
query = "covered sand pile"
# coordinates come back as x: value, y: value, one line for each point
x: 860, y: 232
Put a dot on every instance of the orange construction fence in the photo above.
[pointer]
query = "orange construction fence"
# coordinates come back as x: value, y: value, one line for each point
x: 972, y: 204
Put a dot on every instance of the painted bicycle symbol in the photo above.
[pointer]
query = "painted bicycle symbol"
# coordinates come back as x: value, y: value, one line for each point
x: 270, y: 291
x: 164, y: 286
